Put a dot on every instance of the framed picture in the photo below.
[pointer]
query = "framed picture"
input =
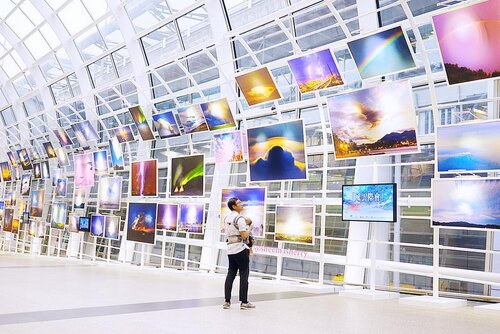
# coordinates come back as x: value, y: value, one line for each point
x: 166, y: 125
x: 141, y: 222
x: 191, y: 218
x: 187, y: 176
x: 167, y: 217
x: 258, y: 86
x: 110, y: 193
x: 144, y: 178
x: 218, y: 114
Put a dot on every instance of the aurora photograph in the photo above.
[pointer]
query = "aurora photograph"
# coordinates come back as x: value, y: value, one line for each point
x: 276, y: 152
x: 218, y: 114
x: 254, y: 207
x: 315, y: 71
x: 144, y: 178
x: 382, y: 53
x: 141, y: 123
x: 228, y: 147
x: 258, y: 86
x: 187, y: 178
x: 192, y: 119
x: 166, y: 125
x: 141, y: 222
x: 295, y: 224
x: 374, y: 121
x: 469, y: 40
x: 167, y: 217
x: 466, y: 203
x: 470, y: 147
x: 191, y: 218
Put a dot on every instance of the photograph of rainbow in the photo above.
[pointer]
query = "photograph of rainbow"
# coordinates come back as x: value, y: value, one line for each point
x: 141, y: 222
x: 144, y: 178
x: 188, y: 176
x: 218, y: 114
x: 295, y: 224
x: 192, y: 119
x: 166, y: 125
x: 471, y: 146
x: 315, y: 71
x: 124, y: 134
x: 24, y: 159
x: 191, y: 218
x: 116, y: 154
x: 97, y: 225
x: 49, y: 149
x: 84, y: 170
x: 167, y: 217
x: 58, y: 219
x: 382, y: 53
x: 276, y: 152
x: 63, y: 137
x: 469, y: 40
x: 374, y: 121
x: 6, y: 172
x: 110, y: 193
x: 36, y: 206
x: 466, y: 203
x: 112, y: 227
x: 258, y: 86
x: 254, y: 207
x: 141, y: 123
x: 228, y: 147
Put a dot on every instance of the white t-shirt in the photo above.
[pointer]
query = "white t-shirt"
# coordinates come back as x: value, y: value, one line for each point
x: 231, y: 229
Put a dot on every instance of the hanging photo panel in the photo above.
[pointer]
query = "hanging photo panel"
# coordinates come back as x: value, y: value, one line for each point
x: 192, y: 119
x: 374, y: 121
x: 383, y: 53
x: 276, y: 152
x: 49, y: 149
x: 116, y: 154
x: 141, y: 123
x: 110, y: 192
x: 469, y: 40
x: 258, y: 86
x: 187, y: 176
x: 124, y: 134
x: 141, y: 222
x: 63, y: 137
x: 315, y: 71
x: 228, y: 147
x: 166, y: 125
x: 218, y: 114
x: 254, y: 207
x: 191, y: 218
x: 144, y: 178
x: 167, y: 217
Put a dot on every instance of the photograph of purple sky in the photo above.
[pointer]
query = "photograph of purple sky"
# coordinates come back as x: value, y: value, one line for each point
x: 469, y: 39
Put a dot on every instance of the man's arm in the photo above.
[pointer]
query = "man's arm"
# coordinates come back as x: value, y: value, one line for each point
x: 242, y: 227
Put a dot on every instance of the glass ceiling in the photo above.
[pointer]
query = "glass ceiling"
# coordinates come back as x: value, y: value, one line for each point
x: 66, y: 60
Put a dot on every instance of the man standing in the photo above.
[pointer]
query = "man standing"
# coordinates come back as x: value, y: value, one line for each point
x: 237, y: 232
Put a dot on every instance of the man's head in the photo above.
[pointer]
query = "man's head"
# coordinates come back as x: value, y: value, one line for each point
x: 235, y: 204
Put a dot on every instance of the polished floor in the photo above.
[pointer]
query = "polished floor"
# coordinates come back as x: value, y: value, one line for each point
x: 43, y: 295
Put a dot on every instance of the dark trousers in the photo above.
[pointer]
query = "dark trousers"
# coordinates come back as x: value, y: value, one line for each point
x: 239, y: 261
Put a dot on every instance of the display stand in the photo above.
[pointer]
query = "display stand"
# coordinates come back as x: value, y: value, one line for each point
x: 434, y: 301
x: 371, y: 293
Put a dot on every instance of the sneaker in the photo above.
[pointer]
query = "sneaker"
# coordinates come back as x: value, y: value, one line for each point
x: 245, y: 306
x: 226, y: 305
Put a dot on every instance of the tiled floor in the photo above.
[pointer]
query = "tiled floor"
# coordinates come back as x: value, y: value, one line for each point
x: 41, y: 295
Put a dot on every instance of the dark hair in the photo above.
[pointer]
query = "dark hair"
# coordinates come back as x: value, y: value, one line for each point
x: 231, y: 202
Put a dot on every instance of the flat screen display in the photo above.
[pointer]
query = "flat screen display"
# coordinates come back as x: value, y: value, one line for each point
x: 369, y: 202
